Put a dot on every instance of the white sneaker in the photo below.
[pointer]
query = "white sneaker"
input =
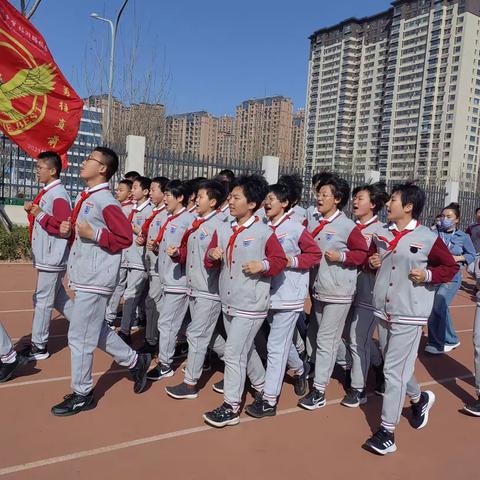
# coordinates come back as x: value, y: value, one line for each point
x: 449, y: 348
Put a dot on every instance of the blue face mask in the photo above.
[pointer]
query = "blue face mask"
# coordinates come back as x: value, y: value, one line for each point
x: 446, y: 224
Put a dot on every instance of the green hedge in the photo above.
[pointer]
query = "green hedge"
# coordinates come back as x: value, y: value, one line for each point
x: 14, y: 245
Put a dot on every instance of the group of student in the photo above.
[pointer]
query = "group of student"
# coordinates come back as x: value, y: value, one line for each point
x: 228, y: 263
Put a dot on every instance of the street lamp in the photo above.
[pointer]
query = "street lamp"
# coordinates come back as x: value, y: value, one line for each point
x: 113, y: 28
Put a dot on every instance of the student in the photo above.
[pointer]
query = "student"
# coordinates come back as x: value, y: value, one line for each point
x: 344, y: 249
x: 194, y: 185
x: 295, y: 184
x: 49, y: 251
x: 442, y: 337
x: 227, y: 178
x: 147, y: 237
x: 368, y: 200
x: 288, y: 292
x: 132, y: 175
x: 173, y: 303
x: 10, y: 361
x: 137, y: 277
x: 123, y: 193
x: 99, y: 232
x: 410, y: 260
x: 474, y: 231
x: 248, y: 254
x: 204, y: 300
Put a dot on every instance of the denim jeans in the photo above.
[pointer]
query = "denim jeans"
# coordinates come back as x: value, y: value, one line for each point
x: 440, y: 328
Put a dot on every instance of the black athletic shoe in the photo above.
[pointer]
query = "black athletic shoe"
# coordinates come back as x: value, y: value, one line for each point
x: 348, y: 379
x: 315, y: 399
x: 126, y: 337
x: 473, y: 408
x: 139, y: 372
x: 222, y: 416
x: 73, y: 404
x: 181, y: 351
x: 147, y: 348
x: 218, y: 387
x: 32, y: 352
x: 421, y: 408
x: 7, y: 370
x: 182, y: 391
x: 261, y: 408
x: 354, y: 398
x: 207, y: 363
x: 382, y: 442
x: 379, y: 380
x: 301, y: 381
x: 160, y: 371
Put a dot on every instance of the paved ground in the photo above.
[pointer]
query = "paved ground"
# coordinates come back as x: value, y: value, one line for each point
x: 152, y: 435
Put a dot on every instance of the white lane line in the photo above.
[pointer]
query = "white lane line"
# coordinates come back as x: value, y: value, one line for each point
x: 17, y: 311
x: 166, y: 436
x: 50, y: 337
x: 464, y: 306
x: 17, y: 291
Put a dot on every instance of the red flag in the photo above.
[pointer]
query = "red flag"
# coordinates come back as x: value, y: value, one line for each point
x: 39, y: 110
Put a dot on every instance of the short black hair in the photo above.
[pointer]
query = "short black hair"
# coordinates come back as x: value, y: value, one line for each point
x: 228, y: 175
x: 178, y: 188
x: 453, y: 206
x: 126, y: 182
x: 162, y: 181
x: 377, y: 192
x: 477, y: 210
x: 214, y: 189
x: 319, y: 177
x: 254, y: 187
x: 411, y: 193
x: 110, y: 159
x: 144, y: 182
x: 53, y: 159
x: 294, y: 185
x: 194, y: 183
x: 132, y: 175
x: 339, y: 186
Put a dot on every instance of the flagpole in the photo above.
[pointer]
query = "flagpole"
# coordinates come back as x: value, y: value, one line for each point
x: 113, y: 30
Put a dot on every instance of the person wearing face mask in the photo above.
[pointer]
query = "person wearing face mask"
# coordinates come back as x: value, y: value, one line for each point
x: 442, y: 337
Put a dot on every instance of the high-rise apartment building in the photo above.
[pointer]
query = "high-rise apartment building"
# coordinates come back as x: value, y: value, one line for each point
x: 225, y: 150
x: 398, y: 92
x: 298, y: 135
x: 264, y: 127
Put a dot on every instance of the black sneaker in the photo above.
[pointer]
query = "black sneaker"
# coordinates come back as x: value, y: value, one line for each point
x: 382, y: 442
x: 261, y: 408
x: 32, y: 352
x: 473, y: 408
x: 421, y: 408
x: 181, y: 351
x: 7, y: 370
x: 139, y: 372
x: 147, y: 348
x: 207, y: 363
x: 222, y: 416
x: 182, y: 391
x: 160, y: 371
x: 301, y: 381
x: 126, y: 337
x: 73, y: 404
x: 315, y: 399
x: 218, y: 387
x: 354, y: 398
x: 348, y: 379
x: 379, y: 380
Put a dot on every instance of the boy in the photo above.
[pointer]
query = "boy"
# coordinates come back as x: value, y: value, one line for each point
x: 173, y: 304
x: 410, y: 260
x: 204, y: 301
x: 227, y: 178
x: 10, y: 361
x: 49, y: 251
x: 248, y: 254
x: 123, y: 193
x: 99, y: 232
x: 344, y: 249
x: 135, y: 256
x: 149, y: 233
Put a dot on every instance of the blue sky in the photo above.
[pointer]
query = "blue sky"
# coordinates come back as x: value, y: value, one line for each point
x: 205, y: 55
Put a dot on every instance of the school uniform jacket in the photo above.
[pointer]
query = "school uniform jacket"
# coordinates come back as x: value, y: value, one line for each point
x: 245, y: 295
x: 127, y: 207
x: 396, y: 298
x: 201, y: 282
x: 290, y: 287
x: 49, y: 250
x: 153, y: 229
x: 336, y: 282
x: 223, y: 214
x: 172, y: 274
x: 93, y: 265
x: 474, y: 232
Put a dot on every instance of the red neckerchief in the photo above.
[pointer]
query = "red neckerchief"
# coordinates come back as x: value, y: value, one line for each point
x: 164, y: 226
x: 397, y: 237
x: 362, y: 226
x: 284, y: 219
x: 195, y: 226
x: 231, y: 241
x: 36, y: 201
x: 149, y: 220
x: 133, y: 211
